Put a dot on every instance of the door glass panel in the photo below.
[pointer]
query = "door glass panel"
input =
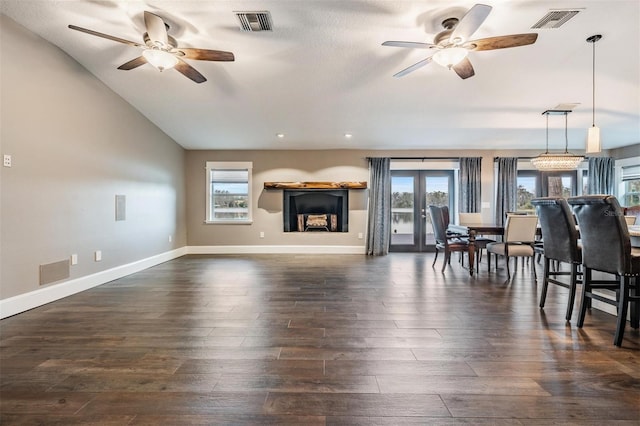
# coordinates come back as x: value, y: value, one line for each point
x: 436, y: 194
x: 402, y: 210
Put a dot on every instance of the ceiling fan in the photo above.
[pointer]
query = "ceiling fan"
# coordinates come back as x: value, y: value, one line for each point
x: 162, y: 51
x: 452, y: 45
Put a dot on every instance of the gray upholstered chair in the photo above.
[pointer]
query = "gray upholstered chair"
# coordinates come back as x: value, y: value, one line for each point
x: 519, y: 236
x: 606, y: 247
x: 560, y: 244
x: 447, y: 243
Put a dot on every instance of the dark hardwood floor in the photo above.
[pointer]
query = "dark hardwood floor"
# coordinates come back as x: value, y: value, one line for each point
x: 314, y: 340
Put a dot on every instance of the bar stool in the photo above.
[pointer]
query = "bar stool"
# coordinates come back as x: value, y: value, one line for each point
x: 606, y: 247
x: 560, y: 244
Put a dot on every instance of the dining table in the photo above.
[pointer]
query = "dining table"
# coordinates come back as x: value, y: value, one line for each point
x: 471, y: 230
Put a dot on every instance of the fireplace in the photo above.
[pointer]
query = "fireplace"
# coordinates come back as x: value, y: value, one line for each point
x: 313, y: 210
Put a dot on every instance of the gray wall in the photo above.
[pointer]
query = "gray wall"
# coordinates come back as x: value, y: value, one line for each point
x: 626, y: 151
x: 75, y: 145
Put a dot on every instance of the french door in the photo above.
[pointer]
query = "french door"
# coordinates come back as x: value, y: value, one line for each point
x: 412, y: 192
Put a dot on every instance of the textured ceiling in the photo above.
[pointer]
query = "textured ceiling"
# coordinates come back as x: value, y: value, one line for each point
x: 322, y: 72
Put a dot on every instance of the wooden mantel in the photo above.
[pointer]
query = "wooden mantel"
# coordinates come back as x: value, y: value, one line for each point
x: 315, y: 185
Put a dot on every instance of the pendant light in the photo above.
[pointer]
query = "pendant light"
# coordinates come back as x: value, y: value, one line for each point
x: 593, y: 134
x: 557, y: 161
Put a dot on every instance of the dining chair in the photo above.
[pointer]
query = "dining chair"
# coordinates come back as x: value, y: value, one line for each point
x: 560, y: 245
x: 480, y: 241
x: 445, y: 242
x: 606, y: 247
x: 519, y: 236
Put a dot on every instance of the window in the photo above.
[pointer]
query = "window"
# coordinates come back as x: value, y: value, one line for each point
x: 229, y: 192
x: 528, y: 189
x: 630, y: 186
x: 533, y: 183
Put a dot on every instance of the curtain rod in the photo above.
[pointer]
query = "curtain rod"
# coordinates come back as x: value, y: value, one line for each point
x: 529, y: 158
x: 425, y: 158
x: 519, y: 158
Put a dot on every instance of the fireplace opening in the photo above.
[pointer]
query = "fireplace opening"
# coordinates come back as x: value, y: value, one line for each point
x: 312, y: 210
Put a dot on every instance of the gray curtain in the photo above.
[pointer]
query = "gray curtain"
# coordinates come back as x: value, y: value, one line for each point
x: 379, y: 217
x: 470, y: 173
x: 507, y: 188
x: 601, y: 175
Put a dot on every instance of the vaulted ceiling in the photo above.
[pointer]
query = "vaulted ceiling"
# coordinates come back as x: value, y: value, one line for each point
x: 323, y: 72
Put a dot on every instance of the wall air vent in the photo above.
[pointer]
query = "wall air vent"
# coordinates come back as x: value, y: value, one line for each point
x: 555, y: 19
x: 255, y: 21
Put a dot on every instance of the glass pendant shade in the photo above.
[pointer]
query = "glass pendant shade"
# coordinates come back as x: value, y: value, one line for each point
x: 450, y: 56
x: 160, y: 59
x: 593, y: 140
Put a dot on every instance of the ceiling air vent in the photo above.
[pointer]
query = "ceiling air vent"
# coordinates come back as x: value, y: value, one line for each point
x: 555, y: 19
x: 255, y: 21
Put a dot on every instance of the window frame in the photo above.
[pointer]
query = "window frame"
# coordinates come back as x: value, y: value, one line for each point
x: 228, y: 166
x: 621, y: 182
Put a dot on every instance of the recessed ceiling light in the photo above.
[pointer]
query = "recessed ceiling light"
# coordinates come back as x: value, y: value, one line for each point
x: 280, y: 135
x: 348, y: 135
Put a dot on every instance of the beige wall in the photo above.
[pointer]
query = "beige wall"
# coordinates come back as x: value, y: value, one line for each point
x: 316, y: 165
x: 75, y: 144
x: 280, y: 166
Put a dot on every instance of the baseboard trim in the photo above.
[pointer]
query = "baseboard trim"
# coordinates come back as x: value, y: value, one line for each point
x: 33, y: 299
x: 279, y: 249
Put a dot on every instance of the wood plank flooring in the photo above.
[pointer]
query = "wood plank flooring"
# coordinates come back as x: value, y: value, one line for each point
x: 315, y: 340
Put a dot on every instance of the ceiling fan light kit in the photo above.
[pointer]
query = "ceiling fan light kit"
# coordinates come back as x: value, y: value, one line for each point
x: 593, y: 134
x: 452, y: 45
x: 160, y: 59
x: 557, y: 161
x: 450, y: 57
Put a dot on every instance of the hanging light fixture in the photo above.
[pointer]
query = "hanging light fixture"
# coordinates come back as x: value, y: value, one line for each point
x: 557, y: 161
x: 593, y: 134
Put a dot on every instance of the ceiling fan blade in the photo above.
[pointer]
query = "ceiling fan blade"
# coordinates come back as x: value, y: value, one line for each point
x: 502, y: 42
x: 464, y: 69
x: 189, y: 71
x: 134, y: 63
x: 107, y: 36
x: 469, y: 23
x: 156, y: 28
x: 410, y: 44
x: 413, y: 67
x: 206, y: 55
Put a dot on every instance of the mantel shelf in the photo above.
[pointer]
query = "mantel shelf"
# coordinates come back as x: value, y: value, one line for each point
x: 315, y: 185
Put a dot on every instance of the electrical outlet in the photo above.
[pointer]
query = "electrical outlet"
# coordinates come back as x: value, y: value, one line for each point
x: 98, y: 255
x: 74, y: 259
x: 7, y: 160
x: 360, y: 235
x: 261, y: 234
x: 170, y: 238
